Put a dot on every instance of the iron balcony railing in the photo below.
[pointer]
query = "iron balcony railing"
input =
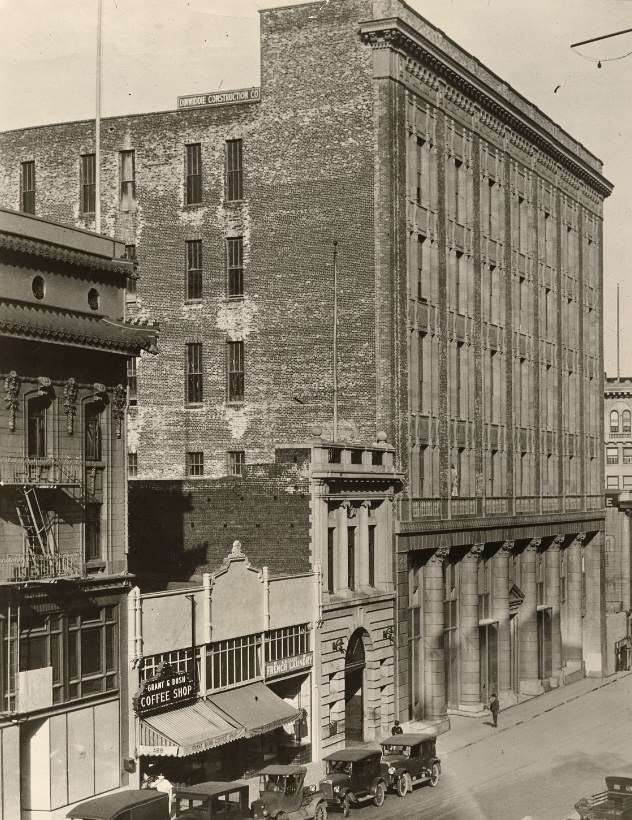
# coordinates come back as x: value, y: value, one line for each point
x: 15, y: 568
x: 40, y: 471
x: 443, y: 508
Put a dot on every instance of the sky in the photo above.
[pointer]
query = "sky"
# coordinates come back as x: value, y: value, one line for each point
x: 155, y: 50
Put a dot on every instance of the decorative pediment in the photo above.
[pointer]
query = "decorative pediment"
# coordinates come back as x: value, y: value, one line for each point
x: 516, y: 597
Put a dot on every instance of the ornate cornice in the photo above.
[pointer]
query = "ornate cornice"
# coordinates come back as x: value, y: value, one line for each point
x: 393, y: 33
x: 508, y: 546
x: 85, y: 261
x: 533, y: 545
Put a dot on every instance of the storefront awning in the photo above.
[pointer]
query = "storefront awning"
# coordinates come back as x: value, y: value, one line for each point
x: 186, y: 731
x: 256, y: 708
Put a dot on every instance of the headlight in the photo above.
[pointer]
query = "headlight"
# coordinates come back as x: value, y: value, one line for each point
x: 312, y: 788
x: 391, y: 769
x: 266, y: 813
x: 336, y: 788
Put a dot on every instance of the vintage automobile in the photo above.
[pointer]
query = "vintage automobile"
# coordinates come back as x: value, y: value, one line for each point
x: 353, y: 776
x: 135, y: 804
x: 283, y: 795
x: 613, y: 804
x: 410, y: 759
x: 210, y: 800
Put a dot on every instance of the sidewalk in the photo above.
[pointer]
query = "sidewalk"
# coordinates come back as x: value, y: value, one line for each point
x: 466, y: 731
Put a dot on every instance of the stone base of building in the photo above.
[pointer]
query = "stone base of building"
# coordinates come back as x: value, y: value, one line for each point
x: 530, y: 687
x: 473, y: 710
x: 419, y: 727
x: 573, y: 672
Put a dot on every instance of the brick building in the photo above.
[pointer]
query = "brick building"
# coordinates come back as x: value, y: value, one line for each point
x: 63, y: 510
x: 618, y: 472
x: 469, y: 236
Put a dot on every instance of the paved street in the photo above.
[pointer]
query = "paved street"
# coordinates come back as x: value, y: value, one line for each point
x: 544, y: 756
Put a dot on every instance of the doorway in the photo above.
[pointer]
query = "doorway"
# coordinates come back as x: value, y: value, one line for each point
x: 355, y: 665
x: 488, y: 660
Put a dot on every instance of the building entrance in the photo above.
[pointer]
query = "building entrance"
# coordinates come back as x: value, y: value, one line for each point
x: 355, y: 665
x: 488, y: 657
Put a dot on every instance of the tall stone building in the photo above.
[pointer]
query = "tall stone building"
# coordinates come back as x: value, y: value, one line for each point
x: 63, y: 515
x: 469, y: 314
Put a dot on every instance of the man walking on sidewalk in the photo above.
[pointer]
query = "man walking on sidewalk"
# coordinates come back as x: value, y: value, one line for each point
x: 494, y: 708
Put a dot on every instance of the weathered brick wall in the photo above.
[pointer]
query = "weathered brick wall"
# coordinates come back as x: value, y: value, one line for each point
x: 183, y: 528
x: 308, y: 179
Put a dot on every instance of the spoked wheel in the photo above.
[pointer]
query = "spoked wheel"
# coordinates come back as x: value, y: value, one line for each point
x: 346, y: 805
x: 380, y: 794
x: 434, y: 775
x: 404, y: 785
x: 321, y: 812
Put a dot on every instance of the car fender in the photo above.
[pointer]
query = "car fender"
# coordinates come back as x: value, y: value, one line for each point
x: 437, y: 761
x: 374, y: 785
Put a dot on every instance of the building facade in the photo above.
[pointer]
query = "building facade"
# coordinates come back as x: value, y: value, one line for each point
x: 467, y: 231
x: 63, y: 580
x: 618, y: 472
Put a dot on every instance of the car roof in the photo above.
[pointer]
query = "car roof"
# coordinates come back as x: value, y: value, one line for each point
x: 100, y: 808
x: 353, y: 754
x: 407, y: 740
x: 283, y: 770
x: 211, y: 787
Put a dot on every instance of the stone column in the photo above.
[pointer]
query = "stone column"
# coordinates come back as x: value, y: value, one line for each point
x: 574, y: 627
x: 529, y: 682
x: 500, y: 603
x: 362, y: 546
x: 341, y: 580
x: 434, y: 655
x: 595, y: 651
x: 552, y: 583
x: 470, y: 661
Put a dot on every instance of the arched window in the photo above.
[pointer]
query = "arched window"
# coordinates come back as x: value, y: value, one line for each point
x: 614, y: 421
x: 626, y: 422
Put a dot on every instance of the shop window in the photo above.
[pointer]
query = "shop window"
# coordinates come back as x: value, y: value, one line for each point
x: 193, y: 174
x: 88, y: 183
x: 232, y: 662
x: 27, y: 187
x: 36, y: 428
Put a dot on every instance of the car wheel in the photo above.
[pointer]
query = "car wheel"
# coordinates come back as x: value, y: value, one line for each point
x: 346, y: 805
x: 282, y: 816
x: 380, y: 794
x: 404, y: 785
x: 434, y: 775
x: 321, y: 812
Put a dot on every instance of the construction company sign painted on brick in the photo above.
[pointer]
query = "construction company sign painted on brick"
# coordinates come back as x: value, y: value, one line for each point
x: 242, y: 95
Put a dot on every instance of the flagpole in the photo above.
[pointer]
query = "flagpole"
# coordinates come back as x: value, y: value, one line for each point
x: 97, y: 138
x: 618, y: 370
x: 335, y: 351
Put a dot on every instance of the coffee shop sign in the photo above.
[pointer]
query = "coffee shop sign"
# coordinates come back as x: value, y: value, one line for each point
x: 166, y: 690
x: 241, y: 95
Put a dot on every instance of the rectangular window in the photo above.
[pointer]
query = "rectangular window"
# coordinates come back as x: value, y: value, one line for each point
x: 27, y: 187
x: 233, y: 661
x: 93, y: 433
x: 331, y: 536
x: 127, y: 183
x: 132, y: 465
x: 351, y: 557
x: 286, y: 642
x: 371, y: 556
x: 627, y: 455
x: 236, y: 462
x: 93, y: 532
x: 132, y: 381
x: 234, y: 172
x: 235, y: 371
x: 421, y: 285
x: 193, y: 173
x: 88, y: 183
x: 194, y: 373
x: 612, y: 455
x: 612, y: 482
x: 130, y: 285
x: 195, y: 463
x: 627, y: 482
x: 36, y: 435
x: 180, y: 660
x: 194, y: 270
x: 235, y: 265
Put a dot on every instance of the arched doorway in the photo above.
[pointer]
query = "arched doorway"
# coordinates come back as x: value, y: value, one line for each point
x: 355, y: 665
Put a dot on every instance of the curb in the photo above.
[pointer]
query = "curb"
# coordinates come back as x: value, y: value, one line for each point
x: 601, y: 685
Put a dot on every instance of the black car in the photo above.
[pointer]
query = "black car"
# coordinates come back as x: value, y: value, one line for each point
x: 353, y: 776
x: 410, y: 759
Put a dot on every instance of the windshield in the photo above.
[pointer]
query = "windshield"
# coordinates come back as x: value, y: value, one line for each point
x: 390, y: 750
x: 339, y: 767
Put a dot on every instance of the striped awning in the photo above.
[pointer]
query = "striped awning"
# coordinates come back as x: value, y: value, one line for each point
x: 256, y: 707
x: 186, y: 731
